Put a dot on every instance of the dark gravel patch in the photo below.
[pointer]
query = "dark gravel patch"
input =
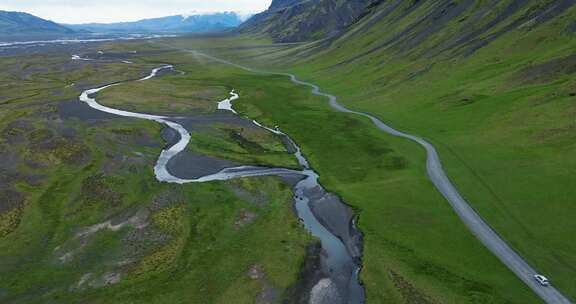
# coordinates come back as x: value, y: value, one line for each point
x: 292, y: 179
x: 67, y: 132
x: 11, y: 174
x: 10, y: 161
x: 137, y: 243
x: 338, y: 218
x: 123, y: 162
x: 34, y: 180
x: 10, y: 199
x: 69, y: 150
x: 167, y: 199
x: 190, y: 165
x: 40, y: 135
x: 310, y: 274
x: 146, y: 140
x: 206, y: 120
x: 170, y: 136
x: 14, y: 132
x: 79, y: 110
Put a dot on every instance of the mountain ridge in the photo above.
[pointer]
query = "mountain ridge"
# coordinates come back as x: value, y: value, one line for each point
x: 173, y: 24
x: 305, y: 20
x: 21, y: 23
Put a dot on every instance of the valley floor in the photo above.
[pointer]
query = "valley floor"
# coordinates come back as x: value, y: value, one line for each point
x: 71, y: 171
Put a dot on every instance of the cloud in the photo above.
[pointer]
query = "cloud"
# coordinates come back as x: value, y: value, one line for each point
x: 76, y: 11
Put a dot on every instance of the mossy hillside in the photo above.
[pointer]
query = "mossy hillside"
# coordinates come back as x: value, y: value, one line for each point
x: 506, y: 142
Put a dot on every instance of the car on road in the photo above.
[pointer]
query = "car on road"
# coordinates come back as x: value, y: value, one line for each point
x: 542, y: 280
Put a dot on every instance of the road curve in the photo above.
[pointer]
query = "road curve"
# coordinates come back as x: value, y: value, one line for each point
x: 438, y: 176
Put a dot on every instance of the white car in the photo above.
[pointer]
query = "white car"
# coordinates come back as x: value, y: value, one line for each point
x: 542, y: 280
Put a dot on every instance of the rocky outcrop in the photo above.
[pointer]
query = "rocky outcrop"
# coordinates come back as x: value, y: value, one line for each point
x: 301, y: 20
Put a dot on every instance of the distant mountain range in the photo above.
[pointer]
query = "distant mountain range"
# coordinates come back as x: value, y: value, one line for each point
x: 24, y: 26
x: 172, y: 24
x: 17, y: 23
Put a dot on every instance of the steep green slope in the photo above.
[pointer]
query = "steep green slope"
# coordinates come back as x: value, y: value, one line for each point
x: 490, y: 83
x: 493, y: 86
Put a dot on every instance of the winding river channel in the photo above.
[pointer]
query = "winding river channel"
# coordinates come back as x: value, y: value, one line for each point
x: 323, y: 214
x: 490, y: 238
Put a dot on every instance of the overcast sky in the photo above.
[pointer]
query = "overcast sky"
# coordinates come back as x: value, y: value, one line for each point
x: 84, y: 11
